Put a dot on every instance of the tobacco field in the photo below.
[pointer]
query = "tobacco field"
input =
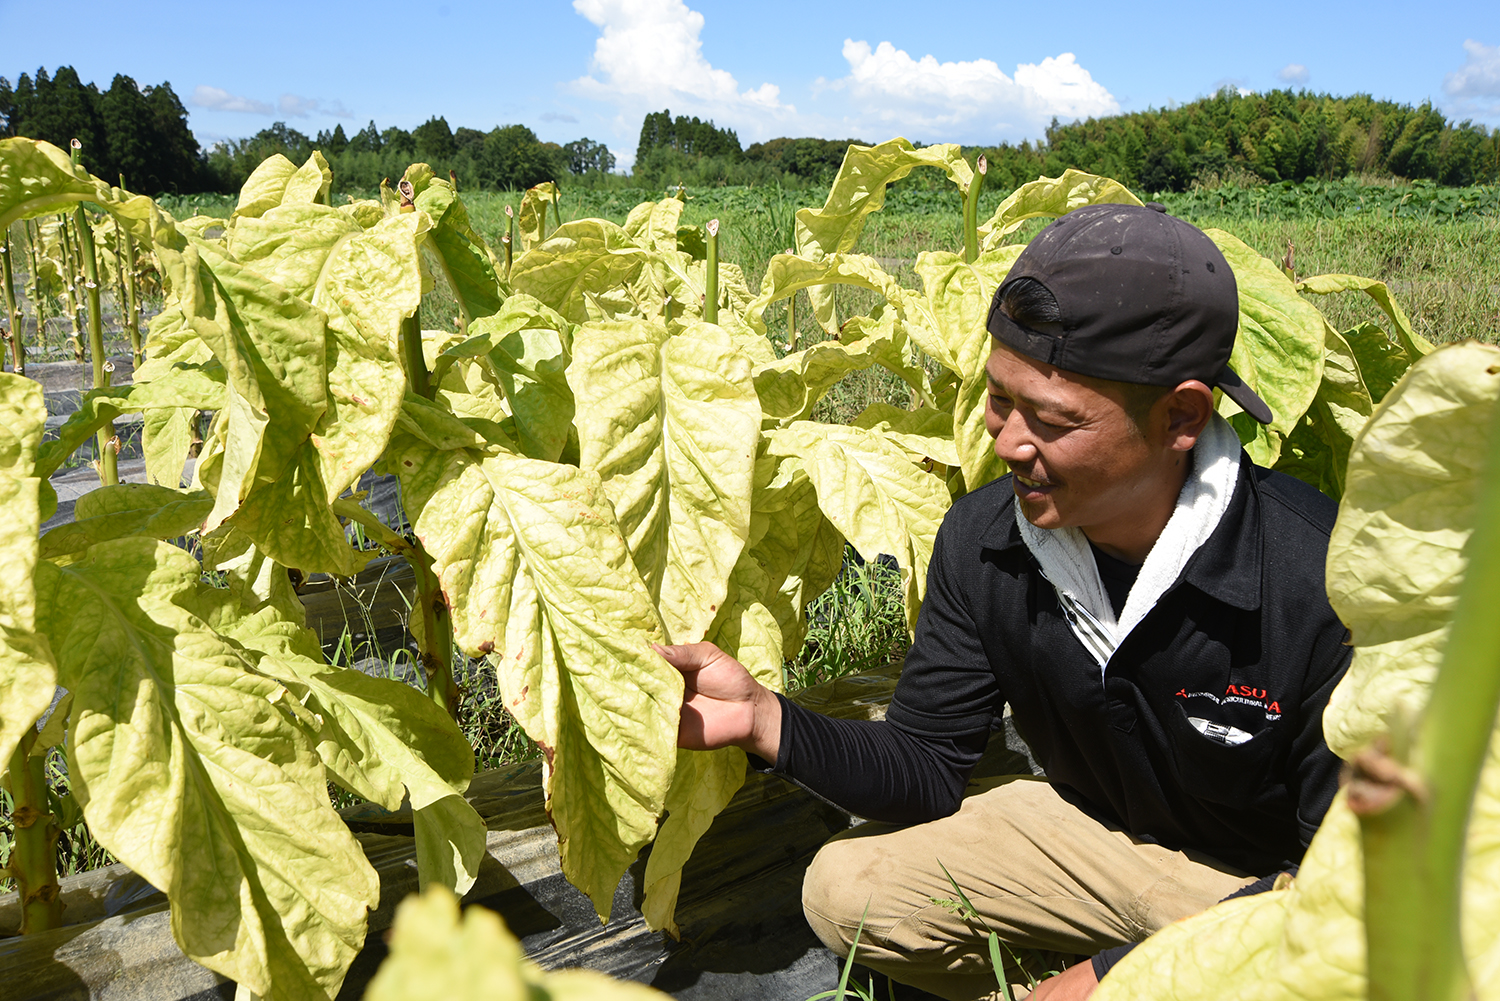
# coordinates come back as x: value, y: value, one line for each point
x: 617, y: 442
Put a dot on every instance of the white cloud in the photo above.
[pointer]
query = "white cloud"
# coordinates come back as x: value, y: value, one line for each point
x: 216, y: 99
x: 649, y: 56
x: 295, y: 106
x: 1293, y: 73
x: 967, y: 100
x: 650, y: 49
x: 1475, y: 86
x: 558, y: 116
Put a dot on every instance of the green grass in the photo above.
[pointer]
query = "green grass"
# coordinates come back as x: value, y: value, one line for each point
x: 859, y: 623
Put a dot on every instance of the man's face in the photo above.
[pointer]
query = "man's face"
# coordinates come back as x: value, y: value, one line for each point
x: 1079, y: 459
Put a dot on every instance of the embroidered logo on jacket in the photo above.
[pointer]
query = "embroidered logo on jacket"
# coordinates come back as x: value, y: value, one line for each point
x: 1247, y: 695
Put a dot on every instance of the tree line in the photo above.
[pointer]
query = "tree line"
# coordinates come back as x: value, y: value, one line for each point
x: 141, y: 133
x: 507, y: 157
x: 1259, y: 138
x: 1228, y: 138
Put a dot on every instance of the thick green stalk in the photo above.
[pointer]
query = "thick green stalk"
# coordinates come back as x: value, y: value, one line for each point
x: 131, y: 304
x: 12, y: 311
x: 109, y: 445
x: 509, y: 239
x: 971, y: 212
x: 1414, y: 848
x: 33, y: 857
x: 416, y: 365
x: 436, y: 649
x: 791, y: 321
x: 70, y: 283
x: 33, y: 261
x: 711, y: 286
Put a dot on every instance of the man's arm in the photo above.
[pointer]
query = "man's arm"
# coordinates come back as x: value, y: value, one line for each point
x: 874, y: 769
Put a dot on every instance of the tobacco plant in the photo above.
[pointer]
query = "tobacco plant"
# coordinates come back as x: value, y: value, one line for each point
x: 608, y: 452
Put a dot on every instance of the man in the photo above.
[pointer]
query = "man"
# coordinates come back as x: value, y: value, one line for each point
x: 1148, y: 602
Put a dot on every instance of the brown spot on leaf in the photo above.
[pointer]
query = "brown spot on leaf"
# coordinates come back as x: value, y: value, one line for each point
x: 487, y: 646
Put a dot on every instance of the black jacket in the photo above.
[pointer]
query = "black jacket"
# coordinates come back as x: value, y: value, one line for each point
x: 1245, y: 638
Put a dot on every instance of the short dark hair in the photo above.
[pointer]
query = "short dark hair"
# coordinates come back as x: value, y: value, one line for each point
x: 1031, y: 304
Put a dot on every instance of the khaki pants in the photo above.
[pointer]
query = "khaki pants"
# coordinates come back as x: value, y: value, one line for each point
x: 1043, y: 875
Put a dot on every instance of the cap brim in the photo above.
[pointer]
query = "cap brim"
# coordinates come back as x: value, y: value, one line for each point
x: 1234, y: 387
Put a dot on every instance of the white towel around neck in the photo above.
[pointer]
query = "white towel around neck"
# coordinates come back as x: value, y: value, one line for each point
x: 1068, y: 563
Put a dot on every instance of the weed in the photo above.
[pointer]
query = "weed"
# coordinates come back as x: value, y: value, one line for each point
x: 859, y: 623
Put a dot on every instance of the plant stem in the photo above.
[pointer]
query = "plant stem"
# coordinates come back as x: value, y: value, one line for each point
x: 711, y: 286
x: 416, y: 364
x: 70, y: 284
x: 109, y: 453
x: 1414, y: 850
x: 436, y: 651
x: 12, y: 312
x: 33, y: 859
x: 132, y: 304
x: 791, y: 321
x: 971, y: 212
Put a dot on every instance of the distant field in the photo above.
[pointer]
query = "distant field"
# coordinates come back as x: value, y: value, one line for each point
x: 1438, y: 248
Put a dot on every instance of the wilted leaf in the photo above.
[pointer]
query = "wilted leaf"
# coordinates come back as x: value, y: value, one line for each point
x: 1396, y: 555
x: 924, y: 433
x: 531, y: 221
x: 1317, y: 451
x: 459, y: 250
x: 1413, y: 343
x: 527, y: 345
x: 127, y: 509
x: 785, y: 274
x: 859, y: 189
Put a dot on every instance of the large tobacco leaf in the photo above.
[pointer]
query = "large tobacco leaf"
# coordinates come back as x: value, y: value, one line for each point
x: 581, y: 259
x: 1279, y: 351
x: 705, y: 781
x: 377, y: 737
x: 28, y: 678
x: 956, y: 301
x: 1051, y: 196
x: 528, y: 346
x: 192, y: 769
x: 671, y: 424
x: 874, y: 495
x: 1395, y: 564
x: 535, y: 569
x: 1407, y: 514
x: 455, y: 247
x: 364, y: 281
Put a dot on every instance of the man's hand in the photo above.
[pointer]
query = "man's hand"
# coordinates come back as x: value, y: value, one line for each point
x: 1073, y: 984
x: 722, y: 705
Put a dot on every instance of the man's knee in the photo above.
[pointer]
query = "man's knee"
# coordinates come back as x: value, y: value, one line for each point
x: 837, y: 890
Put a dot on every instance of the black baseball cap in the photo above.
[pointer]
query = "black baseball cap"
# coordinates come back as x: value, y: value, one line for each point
x: 1144, y: 298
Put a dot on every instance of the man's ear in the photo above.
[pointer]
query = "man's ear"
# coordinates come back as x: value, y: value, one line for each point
x: 1184, y: 413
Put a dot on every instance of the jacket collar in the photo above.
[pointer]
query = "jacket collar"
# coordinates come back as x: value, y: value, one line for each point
x: 1227, y: 567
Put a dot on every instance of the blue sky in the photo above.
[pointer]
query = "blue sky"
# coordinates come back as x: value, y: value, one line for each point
x: 958, y: 71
